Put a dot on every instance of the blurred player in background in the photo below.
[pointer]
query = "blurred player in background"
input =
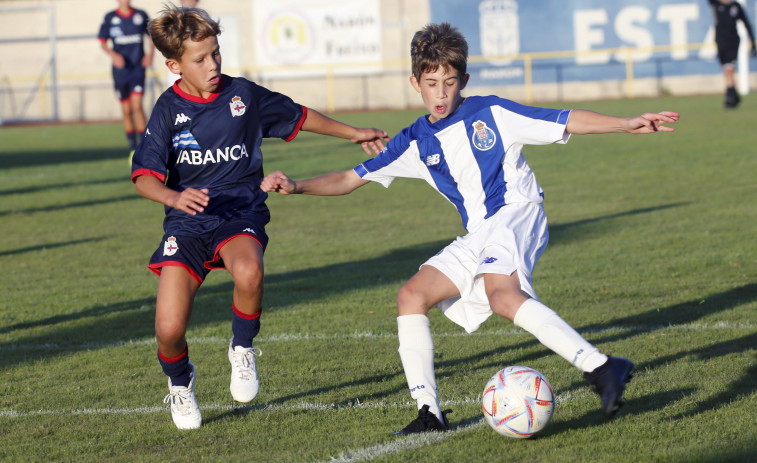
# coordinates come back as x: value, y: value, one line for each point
x: 201, y: 158
x: 126, y: 28
x: 727, y: 14
x: 470, y: 151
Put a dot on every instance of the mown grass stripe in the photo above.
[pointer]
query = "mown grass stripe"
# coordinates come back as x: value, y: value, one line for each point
x: 294, y: 337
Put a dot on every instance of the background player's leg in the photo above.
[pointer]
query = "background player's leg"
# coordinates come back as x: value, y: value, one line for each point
x: 126, y: 116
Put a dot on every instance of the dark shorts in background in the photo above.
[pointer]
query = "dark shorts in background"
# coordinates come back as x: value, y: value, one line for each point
x: 127, y: 81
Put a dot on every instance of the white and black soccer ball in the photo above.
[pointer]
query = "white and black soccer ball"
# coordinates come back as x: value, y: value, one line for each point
x: 518, y: 402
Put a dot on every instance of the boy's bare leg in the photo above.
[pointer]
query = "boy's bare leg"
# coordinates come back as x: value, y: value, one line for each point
x: 176, y: 292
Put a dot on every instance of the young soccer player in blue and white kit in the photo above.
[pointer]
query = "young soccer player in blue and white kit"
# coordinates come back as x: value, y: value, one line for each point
x: 201, y: 158
x: 470, y: 151
x: 126, y: 27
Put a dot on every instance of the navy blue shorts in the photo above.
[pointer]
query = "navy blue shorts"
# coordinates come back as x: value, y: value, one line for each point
x: 128, y: 80
x: 198, y: 254
x: 728, y: 51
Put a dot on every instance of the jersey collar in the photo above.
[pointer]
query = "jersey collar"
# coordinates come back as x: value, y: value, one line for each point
x: 125, y: 16
x: 197, y: 99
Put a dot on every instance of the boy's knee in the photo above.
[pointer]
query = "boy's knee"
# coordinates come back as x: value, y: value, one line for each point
x: 248, y: 275
x: 410, y: 300
x: 170, y: 332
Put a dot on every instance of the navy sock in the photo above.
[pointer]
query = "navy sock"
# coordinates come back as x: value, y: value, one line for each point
x: 176, y: 368
x: 245, y: 327
x: 132, y: 139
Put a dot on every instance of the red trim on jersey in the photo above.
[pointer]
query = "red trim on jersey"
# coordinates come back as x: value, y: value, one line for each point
x: 246, y: 316
x: 197, y: 99
x: 127, y: 16
x: 173, y: 359
x: 156, y: 268
x: 213, y: 264
x: 299, y: 124
x: 102, y: 39
x: 149, y: 173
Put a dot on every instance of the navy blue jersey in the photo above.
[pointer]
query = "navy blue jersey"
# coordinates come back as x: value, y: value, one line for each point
x: 726, y: 16
x: 127, y: 33
x: 215, y: 143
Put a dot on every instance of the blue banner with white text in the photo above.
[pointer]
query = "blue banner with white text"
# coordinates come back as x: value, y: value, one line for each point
x: 665, y: 32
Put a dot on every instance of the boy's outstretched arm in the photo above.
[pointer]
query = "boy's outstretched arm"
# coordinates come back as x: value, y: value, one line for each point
x: 332, y: 184
x: 582, y: 121
x: 372, y: 140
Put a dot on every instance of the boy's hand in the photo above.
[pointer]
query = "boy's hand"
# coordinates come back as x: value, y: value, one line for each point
x: 652, y: 122
x: 191, y: 200
x: 372, y: 140
x: 278, y: 182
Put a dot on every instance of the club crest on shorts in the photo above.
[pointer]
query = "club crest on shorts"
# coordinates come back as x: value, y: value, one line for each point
x: 237, y: 106
x: 170, y: 247
x: 483, y: 137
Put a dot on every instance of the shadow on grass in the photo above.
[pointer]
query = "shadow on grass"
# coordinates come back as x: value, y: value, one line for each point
x: 59, y: 186
x: 53, y: 157
x: 40, y: 247
x: 60, y: 207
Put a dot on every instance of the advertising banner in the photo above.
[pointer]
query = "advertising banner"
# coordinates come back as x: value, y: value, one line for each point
x: 667, y: 32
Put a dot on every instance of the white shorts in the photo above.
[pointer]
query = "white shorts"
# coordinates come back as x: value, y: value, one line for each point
x: 512, y: 239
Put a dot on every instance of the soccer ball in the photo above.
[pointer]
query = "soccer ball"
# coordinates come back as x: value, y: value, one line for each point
x: 518, y: 402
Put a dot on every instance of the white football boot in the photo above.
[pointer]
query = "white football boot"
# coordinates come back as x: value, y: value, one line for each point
x: 184, y: 408
x: 245, y: 382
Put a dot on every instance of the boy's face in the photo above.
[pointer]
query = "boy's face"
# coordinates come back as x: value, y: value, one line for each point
x: 440, y: 91
x: 199, y: 66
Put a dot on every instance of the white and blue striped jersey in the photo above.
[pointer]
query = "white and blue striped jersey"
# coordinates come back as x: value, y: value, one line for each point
x: 474, y: 156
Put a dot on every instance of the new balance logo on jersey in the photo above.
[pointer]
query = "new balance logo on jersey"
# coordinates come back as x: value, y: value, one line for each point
x: 181, y: 118
x: 433, y: 159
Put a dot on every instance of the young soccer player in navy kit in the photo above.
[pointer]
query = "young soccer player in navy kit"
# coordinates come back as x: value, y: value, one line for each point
x: 727, y: 14
x: 126, y: 28
x: 201, y: 158
x: 469, y: 150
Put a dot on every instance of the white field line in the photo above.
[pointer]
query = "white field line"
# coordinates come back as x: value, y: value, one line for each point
x: 414, y: 441
x: 296, y: 337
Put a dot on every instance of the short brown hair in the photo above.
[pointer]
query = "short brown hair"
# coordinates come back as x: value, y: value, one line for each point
x: 175, y: 24
x: 438, y: 45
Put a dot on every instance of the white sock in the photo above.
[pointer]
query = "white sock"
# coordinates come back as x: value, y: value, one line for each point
x: 417, y: 354
x: 556, y: 334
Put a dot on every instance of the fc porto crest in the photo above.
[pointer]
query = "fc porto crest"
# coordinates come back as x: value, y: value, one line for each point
x: 483, y: 137
x: 170, y: 247
x: 237, y: 106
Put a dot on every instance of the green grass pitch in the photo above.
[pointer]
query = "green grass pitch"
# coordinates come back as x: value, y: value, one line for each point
x: 652, y: 256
